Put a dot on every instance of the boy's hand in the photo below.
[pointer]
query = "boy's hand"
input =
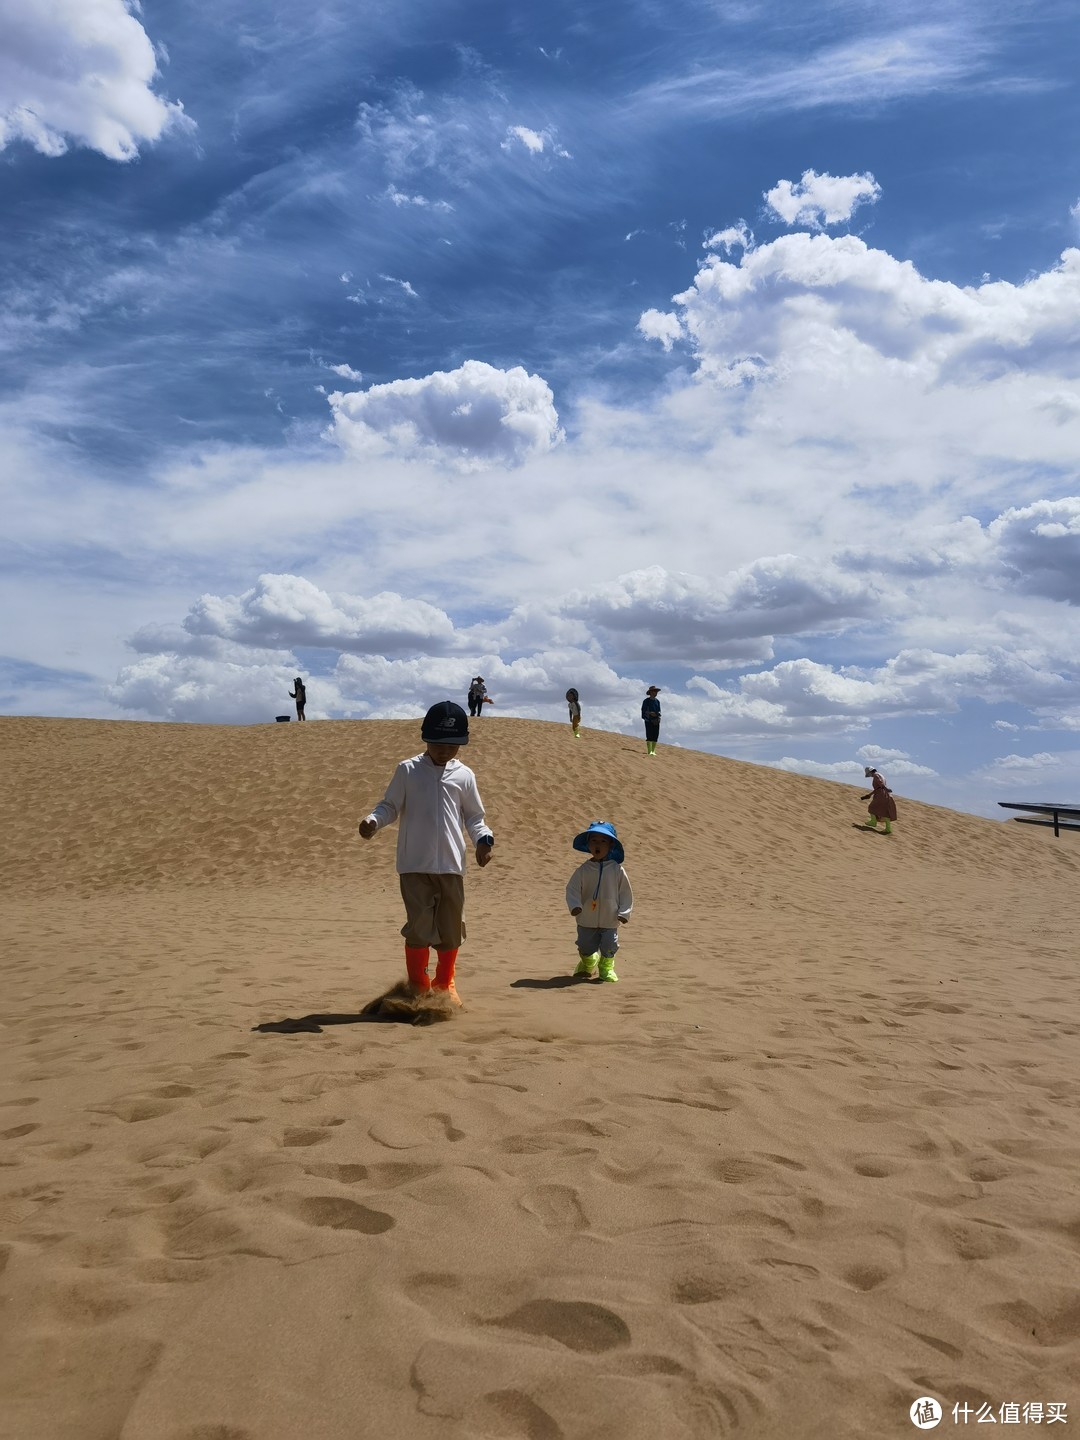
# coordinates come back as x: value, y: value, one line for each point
x: 483, y: 855
x: 624, y: 919
x: 576, y: 910
x: 367, y: 829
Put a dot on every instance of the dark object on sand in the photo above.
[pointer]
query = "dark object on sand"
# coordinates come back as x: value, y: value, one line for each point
x: 408, y: 1006
x: 1061, y: 817
x: 280, y: 718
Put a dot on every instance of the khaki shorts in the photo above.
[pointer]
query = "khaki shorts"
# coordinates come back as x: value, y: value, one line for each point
x: 433, y: 906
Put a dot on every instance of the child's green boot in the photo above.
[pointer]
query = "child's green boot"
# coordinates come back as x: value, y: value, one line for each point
x: 586, y: 965
x: 871, y: 822
x: 888, y: 827
x: 607, y: 968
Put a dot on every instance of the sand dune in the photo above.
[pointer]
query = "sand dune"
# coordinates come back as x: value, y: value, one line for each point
x: 816, y: 1155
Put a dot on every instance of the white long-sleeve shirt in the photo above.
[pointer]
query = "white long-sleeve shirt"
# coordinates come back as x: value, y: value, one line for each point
x: 431, y: 804
x: 602, y: 889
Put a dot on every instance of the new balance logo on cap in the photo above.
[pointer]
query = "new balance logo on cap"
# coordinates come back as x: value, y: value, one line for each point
x: 446, y: 724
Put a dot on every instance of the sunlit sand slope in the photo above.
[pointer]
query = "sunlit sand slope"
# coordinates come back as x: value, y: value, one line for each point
x: 814, y: 1156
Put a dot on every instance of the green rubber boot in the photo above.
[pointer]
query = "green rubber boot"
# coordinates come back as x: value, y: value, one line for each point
x: 871, y: 821
x: 607, y: 968
x: 888, y: 827
x: 586, y: 965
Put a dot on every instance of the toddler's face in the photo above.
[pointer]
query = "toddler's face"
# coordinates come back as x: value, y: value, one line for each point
x: 599, y: 846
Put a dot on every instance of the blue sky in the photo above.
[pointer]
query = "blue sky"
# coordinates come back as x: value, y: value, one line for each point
x: 722, y: 345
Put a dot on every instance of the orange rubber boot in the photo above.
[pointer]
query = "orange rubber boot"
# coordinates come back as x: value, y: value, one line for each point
x: 416, y: 962
x: 444, y: 974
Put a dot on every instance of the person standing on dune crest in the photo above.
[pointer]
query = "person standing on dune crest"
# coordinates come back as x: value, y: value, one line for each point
x: 650, y: 713
x: 574, y: 705
x: 299, y: 694
x: 434, y: 799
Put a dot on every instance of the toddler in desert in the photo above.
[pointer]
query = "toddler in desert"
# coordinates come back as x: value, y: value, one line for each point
x: 599, y: 895
x: 434, y: 798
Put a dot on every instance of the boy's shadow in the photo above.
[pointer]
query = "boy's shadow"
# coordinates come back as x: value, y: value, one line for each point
x: 554, y: 982
x: 866, y: 829
x: 313, y: 1024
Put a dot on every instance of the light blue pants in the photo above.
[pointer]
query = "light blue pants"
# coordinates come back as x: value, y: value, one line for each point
x: 589, y: 940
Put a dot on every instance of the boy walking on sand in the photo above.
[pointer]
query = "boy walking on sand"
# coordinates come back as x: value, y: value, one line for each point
x: 599, y: 893
x: 434, y: 798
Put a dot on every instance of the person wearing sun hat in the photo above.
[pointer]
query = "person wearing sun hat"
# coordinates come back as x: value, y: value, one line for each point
x: 599, y: 893
x: 435, y: 799
x: 882, y: 804
x: 650, y: 713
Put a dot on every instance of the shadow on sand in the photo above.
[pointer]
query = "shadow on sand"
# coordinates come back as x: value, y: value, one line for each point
x: 554, y: 982
x: 399, y: 1005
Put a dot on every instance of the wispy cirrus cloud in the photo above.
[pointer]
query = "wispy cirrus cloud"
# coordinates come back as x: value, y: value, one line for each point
x: 868, y: 71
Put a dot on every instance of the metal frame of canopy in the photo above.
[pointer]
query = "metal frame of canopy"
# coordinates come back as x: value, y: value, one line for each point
x: 1071, y: 812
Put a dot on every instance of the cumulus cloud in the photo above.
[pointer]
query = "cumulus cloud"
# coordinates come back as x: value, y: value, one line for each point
x: 287, y: 610
x: 654, y: 614
x: 347, y: 372
x: 472, y: 418
x: 199, y: 689
x: 661, y: 325
x: 824, y: 303
x: 79, y: 71
x: 1039, y: 545
x: 818, y: 200
x: 853, y: 771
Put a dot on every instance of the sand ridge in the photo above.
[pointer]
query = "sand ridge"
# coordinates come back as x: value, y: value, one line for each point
x: 815, y: 1155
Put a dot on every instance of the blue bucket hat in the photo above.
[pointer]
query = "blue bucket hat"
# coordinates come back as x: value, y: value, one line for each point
x: 601, y: 827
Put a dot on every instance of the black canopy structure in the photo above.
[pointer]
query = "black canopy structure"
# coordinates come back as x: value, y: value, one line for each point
x: 1071, y: 814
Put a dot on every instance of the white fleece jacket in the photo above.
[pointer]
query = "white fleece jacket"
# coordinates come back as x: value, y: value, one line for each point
x: 431, y: 804
x: 602, y: 889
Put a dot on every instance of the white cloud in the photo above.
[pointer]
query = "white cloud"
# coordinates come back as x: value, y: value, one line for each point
x: 733, y: 237
x: 80, y: 71
x: 820, y: 302
x: 818, y: 200
x: 421, y: 202
x: 661, y: 325
x: 347, y: 372
x: 1040, y: 546
x: 287, y: 610
x: 729, y: 621
x: 873, y: 69
x: 193, y: 688
x: 472, y: 418
x: 852, y: 772
x: 536, y: 142
x: 1042, y: 761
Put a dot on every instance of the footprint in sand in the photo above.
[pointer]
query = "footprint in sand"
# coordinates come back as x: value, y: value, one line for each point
x: 513, y: 1414
x: 295, y: 1137
x: 334, y: 1212
x: 577, y: 1324
x: 132, y: 1111
x: 18, y: 1131
x: 737, y: 1172
x: 409, y: 1134
x: 557, y: 1207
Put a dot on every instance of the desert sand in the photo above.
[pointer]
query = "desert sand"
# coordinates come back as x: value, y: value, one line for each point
x: 816, y: 1154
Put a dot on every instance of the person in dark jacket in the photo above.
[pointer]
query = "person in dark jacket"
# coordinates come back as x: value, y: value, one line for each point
x: 650, y: 713
x: 299, y: 694
x: 882, y: 804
